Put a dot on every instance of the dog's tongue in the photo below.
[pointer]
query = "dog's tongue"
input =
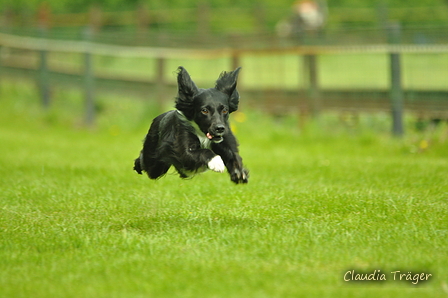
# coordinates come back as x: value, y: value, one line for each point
x: 209, y: 136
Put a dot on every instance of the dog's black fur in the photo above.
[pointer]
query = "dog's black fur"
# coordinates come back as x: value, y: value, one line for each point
x: 197, y: 135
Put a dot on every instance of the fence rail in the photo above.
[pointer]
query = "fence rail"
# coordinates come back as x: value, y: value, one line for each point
x: 310, y: 100
x: 41, y: 44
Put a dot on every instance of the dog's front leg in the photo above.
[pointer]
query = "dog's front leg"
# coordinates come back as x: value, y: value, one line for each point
x: 206, y: 157
x: 238, y: 173
x: 198, y: 160
x: 228, y: 150
x: 216, y: 164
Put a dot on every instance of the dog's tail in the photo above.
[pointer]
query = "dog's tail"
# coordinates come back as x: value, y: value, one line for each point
x: 138, y: 165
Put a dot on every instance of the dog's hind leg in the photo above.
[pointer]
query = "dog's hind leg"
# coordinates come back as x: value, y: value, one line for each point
x: 157, y: 169
x: 152, y: 167
x: 138, y: 165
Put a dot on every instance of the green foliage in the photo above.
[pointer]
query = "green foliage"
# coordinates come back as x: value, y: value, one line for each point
x: 333, y: 196
x: 116, y: 5
x: 65, y: 6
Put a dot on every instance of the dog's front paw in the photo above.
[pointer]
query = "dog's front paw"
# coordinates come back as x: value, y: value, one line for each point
x: 240, y: 176
x: 216, y: 164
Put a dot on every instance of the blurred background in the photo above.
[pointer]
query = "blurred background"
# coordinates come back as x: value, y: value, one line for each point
x: 302, y: 58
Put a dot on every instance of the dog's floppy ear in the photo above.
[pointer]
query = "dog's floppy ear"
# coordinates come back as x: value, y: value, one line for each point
x: 226, y: 83
x: 186, y: 91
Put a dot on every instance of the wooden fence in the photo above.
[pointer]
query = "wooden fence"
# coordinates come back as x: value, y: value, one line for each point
x: 311, y: 100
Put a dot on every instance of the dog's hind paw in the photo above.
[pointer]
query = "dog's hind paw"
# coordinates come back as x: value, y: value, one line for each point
x: 216, y: 164
x: 240, y: 176
x: 137, y: 166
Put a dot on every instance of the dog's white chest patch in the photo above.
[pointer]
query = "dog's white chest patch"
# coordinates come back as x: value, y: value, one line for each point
x: 205, y: 142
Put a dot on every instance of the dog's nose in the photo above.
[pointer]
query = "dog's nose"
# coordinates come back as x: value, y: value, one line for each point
x: 220, y: 129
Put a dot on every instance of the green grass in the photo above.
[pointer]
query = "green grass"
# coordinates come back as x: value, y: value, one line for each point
x: 75, y: 221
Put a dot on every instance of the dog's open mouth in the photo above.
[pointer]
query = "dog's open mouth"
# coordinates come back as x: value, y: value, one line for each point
x: 215, y: 139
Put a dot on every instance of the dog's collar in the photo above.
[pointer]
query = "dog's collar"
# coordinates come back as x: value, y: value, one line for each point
x: 180, y: 112
x: 194, y: 124
x: 205, y: 142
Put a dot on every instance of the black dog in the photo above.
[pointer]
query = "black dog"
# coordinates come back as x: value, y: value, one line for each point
x: 196, y: 136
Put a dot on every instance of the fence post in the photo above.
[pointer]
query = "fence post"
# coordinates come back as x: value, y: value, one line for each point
x: 89, y: 81
x: 160, y: 80
x: 203, y: 19
x: 43, y: 18
x: 396, y: 92
x: 7, y: 19
x: 1, y: 66
x: 95, y: 18
x: 311, y: 75
x: 143, y: 22
x: 260, y: 17
x: 235, y: 60
x: 44, y: 85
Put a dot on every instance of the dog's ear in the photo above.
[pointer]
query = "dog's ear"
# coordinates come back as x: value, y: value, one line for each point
x: 226, y: 83
x: 186, y: 91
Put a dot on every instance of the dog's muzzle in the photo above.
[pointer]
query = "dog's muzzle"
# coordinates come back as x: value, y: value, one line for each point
x: 214, y: 139
x: 215, y: 135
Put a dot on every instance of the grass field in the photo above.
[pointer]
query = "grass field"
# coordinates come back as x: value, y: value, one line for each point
x: 75, y: 221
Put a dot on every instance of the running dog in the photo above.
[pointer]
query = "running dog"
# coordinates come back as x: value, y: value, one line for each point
x: 196, y: 136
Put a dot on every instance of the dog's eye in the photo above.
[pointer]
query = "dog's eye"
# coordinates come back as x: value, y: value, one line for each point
x: 204, y: 111
x: 225, y: 111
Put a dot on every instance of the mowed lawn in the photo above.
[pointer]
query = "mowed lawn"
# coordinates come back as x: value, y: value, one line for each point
x: 76, y: 221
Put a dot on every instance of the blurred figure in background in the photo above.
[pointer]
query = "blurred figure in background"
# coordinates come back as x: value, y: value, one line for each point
x: 307, y: 19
